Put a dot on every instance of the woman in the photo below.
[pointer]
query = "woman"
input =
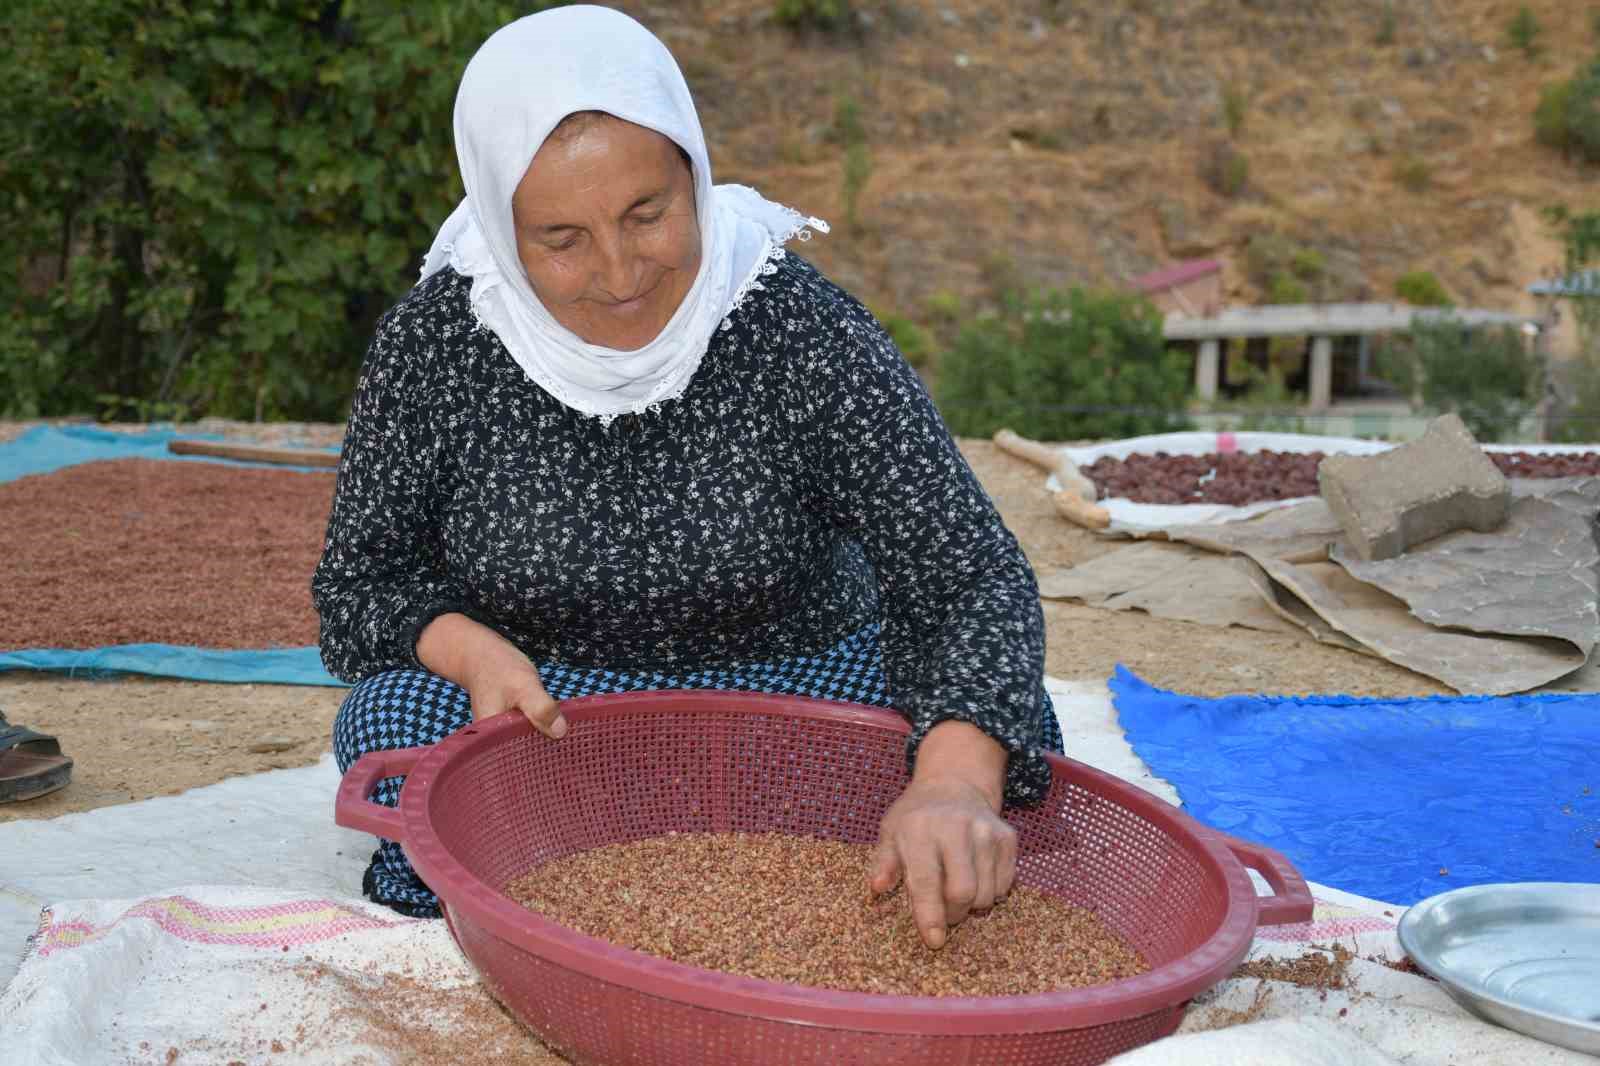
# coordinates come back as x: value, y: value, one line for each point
x: 617, y: 439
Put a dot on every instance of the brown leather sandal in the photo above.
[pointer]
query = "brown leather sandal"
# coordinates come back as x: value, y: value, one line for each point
x: 31, y: 763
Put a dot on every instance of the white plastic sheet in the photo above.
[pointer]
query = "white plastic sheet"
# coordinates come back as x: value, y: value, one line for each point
x: 166, y: 957
x: 1128, y: 515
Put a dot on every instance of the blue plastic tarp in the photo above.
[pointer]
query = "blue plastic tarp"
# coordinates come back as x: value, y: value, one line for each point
x: 44, y: 449
x: 1394, y: 799
x: 278, y: 666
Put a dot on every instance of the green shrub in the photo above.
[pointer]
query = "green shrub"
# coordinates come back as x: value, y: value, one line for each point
x: 1268, y: 404
x: 849, y: 131
x: 1285, y: 269
x: 1235, y: 105
x: 1575, y: 418
x: 1421, y: 289
x: 1550, y: 116
x: 1001, y: 277
x: 1567, y: 117
x: 1487, y: 376
x: 944, y: 308
x: 1580, y: 239
x: 1386, y: 26
x: 1413, y: 172
x: 1308, y: 264
x: 1583, y: 113
x: 857, y: 169
x: 1046, y: 140
x: 207, y: 204
x: 1287, y: 289
x: 1235, y: 175
x: 1065, y: 366
x: 1225, y: 169
x: 825, y: 15
x: 912, y: 340
x: 1523, y: 31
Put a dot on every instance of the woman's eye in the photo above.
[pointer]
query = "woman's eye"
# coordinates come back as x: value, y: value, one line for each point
x: 649, y: 220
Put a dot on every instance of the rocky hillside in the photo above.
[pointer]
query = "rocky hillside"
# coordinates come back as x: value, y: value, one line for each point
x: 1070, y: 141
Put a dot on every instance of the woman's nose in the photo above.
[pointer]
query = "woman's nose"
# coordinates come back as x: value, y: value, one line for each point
x: 617, y: 271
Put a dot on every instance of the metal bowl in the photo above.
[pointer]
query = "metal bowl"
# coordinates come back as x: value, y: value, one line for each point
x: 1525, y: 956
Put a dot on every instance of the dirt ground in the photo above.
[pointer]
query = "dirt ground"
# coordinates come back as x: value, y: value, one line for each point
x: 135, y: 738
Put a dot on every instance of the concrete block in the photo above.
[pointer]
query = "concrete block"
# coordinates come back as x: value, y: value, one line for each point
x: 1441, y: 483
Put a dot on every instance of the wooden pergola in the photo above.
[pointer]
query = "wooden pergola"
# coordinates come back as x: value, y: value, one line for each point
x: 1322, y: 323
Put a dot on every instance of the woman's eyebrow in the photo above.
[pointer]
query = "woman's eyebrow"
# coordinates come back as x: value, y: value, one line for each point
x: 647, y: 198
x: 561, y: 227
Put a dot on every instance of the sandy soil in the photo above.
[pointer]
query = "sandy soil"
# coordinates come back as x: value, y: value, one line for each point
x: 140, y: 737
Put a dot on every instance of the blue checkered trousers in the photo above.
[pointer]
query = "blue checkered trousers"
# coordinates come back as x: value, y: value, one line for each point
x: 411, y: 708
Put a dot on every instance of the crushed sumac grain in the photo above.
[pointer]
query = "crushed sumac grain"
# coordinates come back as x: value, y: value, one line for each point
x: 797, y: 910
x: 129, y: 551
x: 1320, y: 968
x: 1239, y: 478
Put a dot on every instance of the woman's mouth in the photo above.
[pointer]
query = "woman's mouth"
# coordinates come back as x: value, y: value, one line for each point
x: 633, y: 304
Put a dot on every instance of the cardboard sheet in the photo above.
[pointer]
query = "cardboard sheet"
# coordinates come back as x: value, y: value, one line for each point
x: 1467, y: 662
x: 1173, y: 581
x: 1490, y: 613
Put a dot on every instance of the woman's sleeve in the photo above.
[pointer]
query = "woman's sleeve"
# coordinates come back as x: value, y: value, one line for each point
x: 963, y: 634
x: 382, y: 576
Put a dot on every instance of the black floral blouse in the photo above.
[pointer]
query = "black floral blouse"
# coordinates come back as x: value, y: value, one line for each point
x: 801, y: 487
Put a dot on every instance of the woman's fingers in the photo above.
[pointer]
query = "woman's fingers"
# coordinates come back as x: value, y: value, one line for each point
x: 1006, y: 863
x: 885, y: 868
x: 960, y: 875
x: 954, y: 854
x: 518, y: 688
x: 488, y: 703
x: 985, y: 858
x: 924, y: 875
x: 540, y: 709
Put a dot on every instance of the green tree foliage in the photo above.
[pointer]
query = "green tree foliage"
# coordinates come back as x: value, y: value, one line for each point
x: 1578, y: 380
x: 1487, y: 376
x: 826, y: 15
x: 1568, y: 114
x: 1064, y: 366
x: 208, y: 204
x: 1575, y: 418
x: 1268, y: 404
x: 1523, y: 31
x: 1580, y: 240
x: 1550, y: 116
x: 1420, y: 288
x: 1286, y: 271
x: 912, y: 340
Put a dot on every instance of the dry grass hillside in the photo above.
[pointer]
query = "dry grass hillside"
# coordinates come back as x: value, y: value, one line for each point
x: 1080, y: 142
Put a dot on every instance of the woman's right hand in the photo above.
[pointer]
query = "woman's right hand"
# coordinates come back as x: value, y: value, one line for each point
x: 496, y: 675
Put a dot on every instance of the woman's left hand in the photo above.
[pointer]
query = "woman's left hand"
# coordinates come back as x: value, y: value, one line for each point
x: 944, y: 836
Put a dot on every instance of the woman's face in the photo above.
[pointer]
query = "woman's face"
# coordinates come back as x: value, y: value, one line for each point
x: 606, y: 230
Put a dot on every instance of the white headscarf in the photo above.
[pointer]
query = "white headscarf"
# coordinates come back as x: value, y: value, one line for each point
x: 525, y: 79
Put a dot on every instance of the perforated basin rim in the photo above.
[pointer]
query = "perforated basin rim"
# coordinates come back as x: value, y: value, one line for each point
x: 497, y: 799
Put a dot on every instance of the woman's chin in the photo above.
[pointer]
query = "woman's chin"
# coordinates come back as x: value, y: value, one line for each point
x: 625, y: 327
x: 624, y: 337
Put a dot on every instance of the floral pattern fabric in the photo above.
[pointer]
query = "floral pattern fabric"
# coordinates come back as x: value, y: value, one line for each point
x: 803, y: 486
